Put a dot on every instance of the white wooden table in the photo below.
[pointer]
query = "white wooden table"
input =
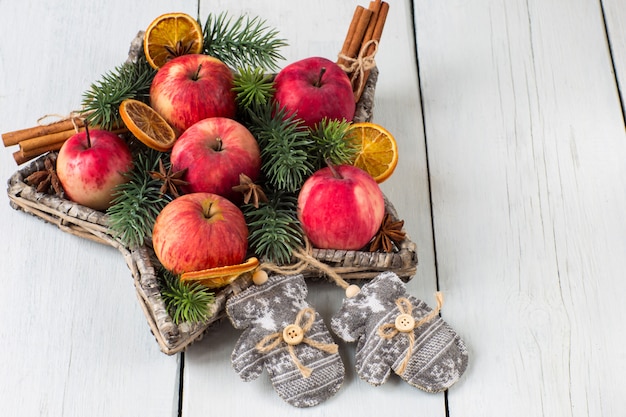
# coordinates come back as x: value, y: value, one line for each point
x: 511, y: 180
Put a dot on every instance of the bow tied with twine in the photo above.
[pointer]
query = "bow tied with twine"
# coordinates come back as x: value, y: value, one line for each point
x: 405, y: 324
x: 363, y: 62
x: 75, y: 117
x: 302, y: 324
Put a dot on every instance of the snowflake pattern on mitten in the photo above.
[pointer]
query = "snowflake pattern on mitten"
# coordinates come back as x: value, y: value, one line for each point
x: 284, y: 335
x: 396, y: 331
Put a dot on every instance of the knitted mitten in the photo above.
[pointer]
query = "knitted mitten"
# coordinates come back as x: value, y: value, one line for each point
x: 287, y: 337
x: 396, y: 331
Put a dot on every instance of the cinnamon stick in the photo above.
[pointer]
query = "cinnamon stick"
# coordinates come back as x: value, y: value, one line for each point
x: 351, y: 30
x: 32, y: 148
x: 380, y: 25
x: 382, y: 10
x: 20, y: 156
x: 369, y: 33
x: 354, y: 38
x: 17, y: 136
x: 361, y: 28
x: 44, y: 141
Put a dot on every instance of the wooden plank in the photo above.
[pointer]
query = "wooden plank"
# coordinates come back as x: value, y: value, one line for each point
x: 526, y: 147
x: 615, y: 19
x: 318, y: 29
x: 75, y: 341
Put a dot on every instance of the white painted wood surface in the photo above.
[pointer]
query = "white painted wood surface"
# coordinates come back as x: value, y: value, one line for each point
x: 522, y: 149
x: 527, y: 149
x: 74, y: 338
x: 615, y: 17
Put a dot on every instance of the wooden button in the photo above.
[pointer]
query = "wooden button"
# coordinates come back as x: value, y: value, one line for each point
x: 405, y: 323
x: 352, y: 290
x: 259, y: 277
x: 293, y: 334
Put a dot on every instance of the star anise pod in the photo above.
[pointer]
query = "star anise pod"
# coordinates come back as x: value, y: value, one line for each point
x: 389, y: 235
x: 250, y: 190
x: 180, y: 48
x: 46, y: 180
x: 171, y: 180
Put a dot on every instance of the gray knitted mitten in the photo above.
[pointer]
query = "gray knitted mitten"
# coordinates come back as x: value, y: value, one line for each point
x: 287, y: 337
x: 397, y: 331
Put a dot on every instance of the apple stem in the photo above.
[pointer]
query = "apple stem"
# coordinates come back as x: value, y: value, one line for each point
x: 318, y: 83
x: 207, y: 210
x: 87, y: 134
x: 197, y: 74
x: 219, y: 144
x: 334, y: 171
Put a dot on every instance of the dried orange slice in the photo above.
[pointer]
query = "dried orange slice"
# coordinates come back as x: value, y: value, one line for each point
x: 147, y: 125
x: 171, y: 35
x: 377, y: 150
x: 220, y: 276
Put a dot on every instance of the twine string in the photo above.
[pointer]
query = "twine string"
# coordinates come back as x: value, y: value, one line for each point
x: 363, y: 62
x: 274, y: 340
x: 72, y: 117
x: 306, y: 259
x: 389, y: 330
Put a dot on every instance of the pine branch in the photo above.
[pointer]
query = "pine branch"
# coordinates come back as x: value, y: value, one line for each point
x: 244, y: 42
x: 137, y: 203
x: 274, y: 229
x: 254, y: 88
x: 102, y: 101
x: 285, y: 143
x: 186, y: 302
x: 329, y: 143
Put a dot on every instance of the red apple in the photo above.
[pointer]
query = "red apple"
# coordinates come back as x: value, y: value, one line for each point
x: 214, y: 152
x: 192, y: 87
x: 340, y: 207
x: 199, y: 231
x: 91, y: 164
x: 315, y: 88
